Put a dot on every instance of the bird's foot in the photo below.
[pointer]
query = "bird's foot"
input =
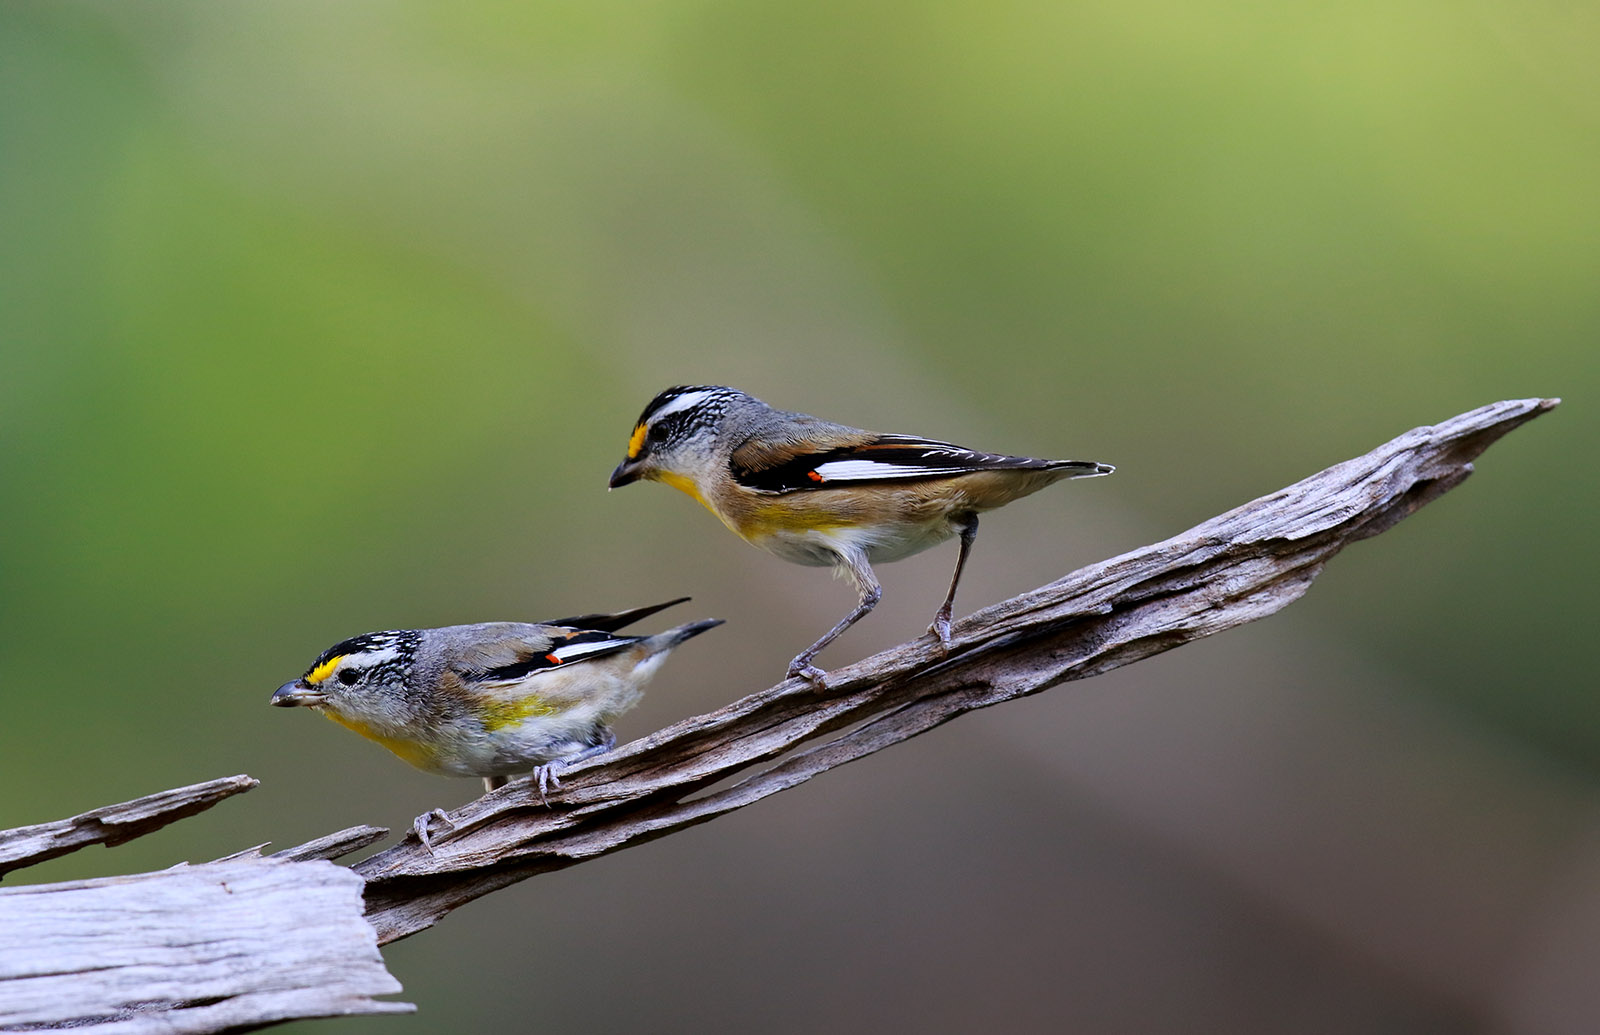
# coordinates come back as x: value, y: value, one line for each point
x: 422, y: 823
x: 547, y: 776
x: 802, y: 668
x: 940, y: 629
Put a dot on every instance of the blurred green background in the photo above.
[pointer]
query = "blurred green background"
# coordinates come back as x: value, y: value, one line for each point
x: 322, y: 318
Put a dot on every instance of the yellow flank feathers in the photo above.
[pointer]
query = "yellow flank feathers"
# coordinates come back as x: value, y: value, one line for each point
x: 499, y: 715
x: 636, y: 443
x: 324, y: 670
x: 419, y: 755
x: 761, y: 521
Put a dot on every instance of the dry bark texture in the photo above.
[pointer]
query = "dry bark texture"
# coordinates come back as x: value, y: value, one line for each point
x: 247, y: 940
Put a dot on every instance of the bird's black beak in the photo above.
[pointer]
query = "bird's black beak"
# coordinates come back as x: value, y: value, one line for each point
x: 296, y: 694
x: 626, y: 473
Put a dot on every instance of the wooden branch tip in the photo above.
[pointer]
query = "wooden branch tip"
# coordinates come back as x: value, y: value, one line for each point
x: 114, y: 824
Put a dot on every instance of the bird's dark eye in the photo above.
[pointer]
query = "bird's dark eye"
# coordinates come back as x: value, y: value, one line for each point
x: 658, y: 432
x: 348, y: 676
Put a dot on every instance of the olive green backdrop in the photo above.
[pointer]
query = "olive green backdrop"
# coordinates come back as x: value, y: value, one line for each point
x: 321, y: 318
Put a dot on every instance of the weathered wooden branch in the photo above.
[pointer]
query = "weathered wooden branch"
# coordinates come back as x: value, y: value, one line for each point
x: 234, y: 944
x: 113, y: 824
x: 1235, y: 568
x: 247, y: 940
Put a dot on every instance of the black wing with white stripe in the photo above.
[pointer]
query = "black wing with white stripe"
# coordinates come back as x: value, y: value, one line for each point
x: 574, y: 646
x: 888, y: 458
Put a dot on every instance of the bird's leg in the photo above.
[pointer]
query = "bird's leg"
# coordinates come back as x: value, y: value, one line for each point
x: 421, y: 824
x: 968, y: 527
x: 853, y: 564
x: 548, y: 775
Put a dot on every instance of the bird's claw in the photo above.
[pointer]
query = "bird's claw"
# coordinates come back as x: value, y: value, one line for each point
x: 547, y: 776
x: 801, y: 668
x: 941, y: 630
x: 421, y: 824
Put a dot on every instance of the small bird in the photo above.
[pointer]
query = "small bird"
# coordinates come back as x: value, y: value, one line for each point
x: 494, y: 699
x: 819, y: 493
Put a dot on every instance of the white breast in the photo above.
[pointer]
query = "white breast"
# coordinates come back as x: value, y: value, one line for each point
x: 886, y: 542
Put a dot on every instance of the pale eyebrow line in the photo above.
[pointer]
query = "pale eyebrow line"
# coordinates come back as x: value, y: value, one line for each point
x: 681, y: 403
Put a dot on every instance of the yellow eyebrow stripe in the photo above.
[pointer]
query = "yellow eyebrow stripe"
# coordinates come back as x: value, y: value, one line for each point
x: 324, y: 670
x: 636, y: 443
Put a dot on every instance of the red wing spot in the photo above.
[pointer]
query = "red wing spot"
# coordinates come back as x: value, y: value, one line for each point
x: 814, y: 476
x: 552, y: 659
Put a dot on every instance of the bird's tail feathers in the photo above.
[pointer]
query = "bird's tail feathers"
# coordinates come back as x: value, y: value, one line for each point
x: 1080, y: 468
x: 612, y: 621
x: 672, y: 637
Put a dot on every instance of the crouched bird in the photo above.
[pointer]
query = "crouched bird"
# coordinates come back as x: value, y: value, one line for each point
x: 496, y: 699
x: 819, y: 493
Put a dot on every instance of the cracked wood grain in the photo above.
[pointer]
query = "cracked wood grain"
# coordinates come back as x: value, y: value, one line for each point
x: 218, y: 947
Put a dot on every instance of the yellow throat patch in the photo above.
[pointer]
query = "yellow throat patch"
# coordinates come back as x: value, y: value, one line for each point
x: 419, y: 755
x: 684, y: 485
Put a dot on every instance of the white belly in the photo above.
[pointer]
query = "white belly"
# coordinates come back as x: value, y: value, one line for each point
x: 821, y: 548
